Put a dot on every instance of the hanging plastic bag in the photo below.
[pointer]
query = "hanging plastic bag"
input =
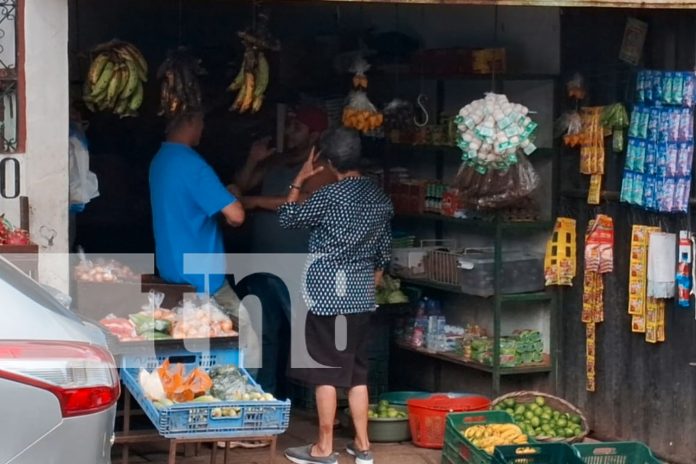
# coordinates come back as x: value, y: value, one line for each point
x: 84, y: 185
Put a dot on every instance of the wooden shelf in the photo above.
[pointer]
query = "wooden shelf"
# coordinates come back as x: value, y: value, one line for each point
x: 505, y: 298
x: 454, y: 359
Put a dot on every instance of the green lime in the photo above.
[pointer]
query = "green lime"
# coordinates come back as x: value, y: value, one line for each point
x: 575, y: 419
x: 529, y: 414
x: 556, y: 414
x: 562, y: 422
x: 569, y: 433
x: 520, y: 409
x: 547, y: 410
x: 546, y: 417
x: 498, y: 407
x: 392, y: 413
x: 546, y: 428
x: 383, y: 403
x: 540, y: 400
x: 532, y: 433
x: 535, y: 421
x: 510, y: 411
x: 509, y: 402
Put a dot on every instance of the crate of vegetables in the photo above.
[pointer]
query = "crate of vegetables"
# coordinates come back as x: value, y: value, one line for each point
x: 545, y: 417
x: 472, y: 437
x: 203, y: 395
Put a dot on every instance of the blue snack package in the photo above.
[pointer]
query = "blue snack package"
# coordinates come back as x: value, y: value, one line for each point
x: 630, y: 154
x: 627, y: 187
x: 667, y: 81
x: 678, y: 204
x: 673, y: 121
x: 640, y: 87
x: 689, y: 126
x: 654, y: 124
x: 686, y: 154
x: 678, y: 88
x: 648, y: 86
x: 684, y: 121
x: 643, y: 122
x: 689, y: 89
x: 650, y: 158
x: 649, y: 193
x: 657, y: 87
x: 639, y: 157
x: 666, y: 195
x: 672, y: 159
x: 661, y: 161
x: 636, y: 117
x: 638, y: 185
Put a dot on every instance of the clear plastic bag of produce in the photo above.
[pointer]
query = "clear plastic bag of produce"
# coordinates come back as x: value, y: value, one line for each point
x: 201, y: 319
x: 399, y: 115
x: 231, y: 384
x: 153, y: 322
x: 496, y: 189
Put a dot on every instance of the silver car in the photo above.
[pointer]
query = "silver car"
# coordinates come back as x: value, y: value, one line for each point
x: 58, y: 382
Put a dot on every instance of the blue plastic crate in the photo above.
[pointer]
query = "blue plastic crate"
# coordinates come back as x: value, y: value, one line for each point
x: 195, y: 420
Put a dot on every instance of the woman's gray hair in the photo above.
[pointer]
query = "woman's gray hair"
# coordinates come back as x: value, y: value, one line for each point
x: 342, y: 148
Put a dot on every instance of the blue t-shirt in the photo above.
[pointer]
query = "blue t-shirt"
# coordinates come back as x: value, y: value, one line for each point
x: 186, y: 197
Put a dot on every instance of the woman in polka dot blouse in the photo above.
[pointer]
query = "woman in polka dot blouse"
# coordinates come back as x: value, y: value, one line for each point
x: 349, y: 247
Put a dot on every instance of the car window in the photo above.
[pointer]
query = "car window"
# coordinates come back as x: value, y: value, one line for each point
x: 31, y: 289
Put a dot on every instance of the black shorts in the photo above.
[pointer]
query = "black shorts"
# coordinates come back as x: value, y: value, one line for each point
x: 349, y: 366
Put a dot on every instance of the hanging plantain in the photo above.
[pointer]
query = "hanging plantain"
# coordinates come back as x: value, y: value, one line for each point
x: 253, y: 76
x: 115, y: 80
x: 180, y: 89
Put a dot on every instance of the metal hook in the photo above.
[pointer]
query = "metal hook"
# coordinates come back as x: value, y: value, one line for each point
x: 422, y: 98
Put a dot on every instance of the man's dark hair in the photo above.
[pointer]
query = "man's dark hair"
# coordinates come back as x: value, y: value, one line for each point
x: 342, y: 147
x: 181, y: 120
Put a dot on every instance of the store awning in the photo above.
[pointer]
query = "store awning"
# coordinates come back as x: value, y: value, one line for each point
x: 551, y: 3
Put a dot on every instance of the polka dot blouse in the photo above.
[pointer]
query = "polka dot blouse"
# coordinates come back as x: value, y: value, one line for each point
x: 350, y: 238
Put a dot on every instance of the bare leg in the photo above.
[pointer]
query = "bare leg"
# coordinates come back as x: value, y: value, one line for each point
x: 359, y: 405
x: 326, y: 407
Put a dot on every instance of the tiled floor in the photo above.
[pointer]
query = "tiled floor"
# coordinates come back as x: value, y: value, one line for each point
x: 302, y: 431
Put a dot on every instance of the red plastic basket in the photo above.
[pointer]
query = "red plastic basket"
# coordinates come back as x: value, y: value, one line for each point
x: 427, y: 417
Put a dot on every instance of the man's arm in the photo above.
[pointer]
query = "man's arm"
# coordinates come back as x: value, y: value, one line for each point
x: 269, y: 203
x: 254, y: 169
x: 234, y: 214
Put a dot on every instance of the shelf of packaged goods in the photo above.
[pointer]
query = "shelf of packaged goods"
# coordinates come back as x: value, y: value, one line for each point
x: 480, y: 224
x: 505, y: 298
x: 454, y: 359
x: 541, y: 152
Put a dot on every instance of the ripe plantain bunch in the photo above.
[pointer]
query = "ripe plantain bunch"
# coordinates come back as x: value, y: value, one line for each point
x: 251, y: 81
x: 180, y: 88
x: 487, y: 437
x: 115, y: 79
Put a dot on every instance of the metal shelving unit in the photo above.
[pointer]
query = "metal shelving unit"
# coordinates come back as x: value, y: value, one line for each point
x: 499, y: 230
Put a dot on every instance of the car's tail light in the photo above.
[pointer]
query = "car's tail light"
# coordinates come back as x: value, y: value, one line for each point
x: 82, y: 376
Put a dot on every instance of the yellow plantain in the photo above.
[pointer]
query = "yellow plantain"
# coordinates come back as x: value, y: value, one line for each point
x: 248, y: 93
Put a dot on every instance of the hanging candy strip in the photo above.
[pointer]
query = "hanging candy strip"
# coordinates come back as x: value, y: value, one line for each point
x: 560, y: 262
x: 599, y: 259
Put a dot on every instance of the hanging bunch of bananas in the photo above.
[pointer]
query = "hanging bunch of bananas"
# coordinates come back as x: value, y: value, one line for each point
x: 180, y: 88
x: 116, y: 77
x: 251, y: 81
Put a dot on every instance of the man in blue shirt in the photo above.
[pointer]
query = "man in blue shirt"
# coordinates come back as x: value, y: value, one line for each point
x: 187, y: 198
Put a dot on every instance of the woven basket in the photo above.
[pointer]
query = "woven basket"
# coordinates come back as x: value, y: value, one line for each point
x: 556, y: 403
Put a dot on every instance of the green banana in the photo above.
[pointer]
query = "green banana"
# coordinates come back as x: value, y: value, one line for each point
x: 97, y: 67
x: 114, y: 85
x: 125, y: 77
x: 137, y: 100
x: 258, y: 102
x: 262, y: 75
x: 104, y: 79
x: 121, y: 106
x: 238, y: 81
x: 133, y: 79
x: 140, y: 60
